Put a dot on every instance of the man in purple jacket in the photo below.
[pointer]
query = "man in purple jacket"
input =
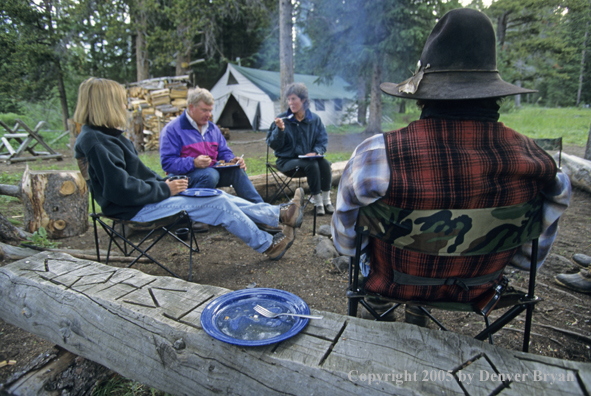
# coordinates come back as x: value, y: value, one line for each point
x: 192, y: 145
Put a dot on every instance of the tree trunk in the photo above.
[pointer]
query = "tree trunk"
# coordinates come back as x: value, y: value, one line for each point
x: 518, y: 97
x: 141, y: 52
x: 56, y: 201
x: 285, y: 48
x: 183, y: 57
x: 502, y: 28
x: 135, y: 130
x: 588, y: 146
x: 75, y: 130
x: 62, y: 95
x: 582, y: 66
x: 361, y: 101
x: 375, y: 107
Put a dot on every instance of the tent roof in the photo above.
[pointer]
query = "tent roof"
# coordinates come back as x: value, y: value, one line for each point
x: 269, y: 82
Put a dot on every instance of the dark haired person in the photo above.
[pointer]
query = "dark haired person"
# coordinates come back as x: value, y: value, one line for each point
x: 457, y: 156
x: 127, y: 189
x: 298, y: 133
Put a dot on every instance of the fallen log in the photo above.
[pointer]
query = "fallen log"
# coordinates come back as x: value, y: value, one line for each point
x: 54, y: 372
x: 10, y: 252
x: 260, y: 181
x: 8, y: 232
x: 578, y: 170
x: 148, y: 329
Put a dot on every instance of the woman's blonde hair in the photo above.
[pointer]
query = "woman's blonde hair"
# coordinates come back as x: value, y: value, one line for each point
x: 101, y: 102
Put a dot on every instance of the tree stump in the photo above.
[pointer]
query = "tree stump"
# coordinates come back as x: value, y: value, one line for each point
x: 56, y: 201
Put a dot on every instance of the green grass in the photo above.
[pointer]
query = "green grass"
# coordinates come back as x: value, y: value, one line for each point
x: 119, y: 386
x: 537, y: 122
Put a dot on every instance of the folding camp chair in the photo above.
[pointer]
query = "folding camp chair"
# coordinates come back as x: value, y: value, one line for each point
x: 282, y: 181
x: 158, y: 229
x: 554, y: 144
x: 463, y: 232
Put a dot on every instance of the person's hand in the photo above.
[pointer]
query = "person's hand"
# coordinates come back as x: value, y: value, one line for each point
x: 311, y: 154
x: 239, y: 161
x: 202, y: 161
x: 176, y: 186
x: 279, y: 123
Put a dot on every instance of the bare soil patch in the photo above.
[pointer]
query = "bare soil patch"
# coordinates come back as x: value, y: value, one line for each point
x: 562, y: 322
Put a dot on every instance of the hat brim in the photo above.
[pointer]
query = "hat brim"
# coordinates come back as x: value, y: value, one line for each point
x: 457, y: 86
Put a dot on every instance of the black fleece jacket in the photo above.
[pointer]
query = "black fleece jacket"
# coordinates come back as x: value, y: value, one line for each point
x: 120, y: 182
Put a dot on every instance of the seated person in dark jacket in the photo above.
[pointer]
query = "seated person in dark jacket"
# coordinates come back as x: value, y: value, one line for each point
x: 299, y: 133
x: 126, y: 189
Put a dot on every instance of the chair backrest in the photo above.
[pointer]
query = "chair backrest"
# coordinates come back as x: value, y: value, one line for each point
x: 455, y: 232
x: 551, y: 144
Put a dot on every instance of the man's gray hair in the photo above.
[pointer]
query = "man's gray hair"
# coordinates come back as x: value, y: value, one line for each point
x: 196, y: 95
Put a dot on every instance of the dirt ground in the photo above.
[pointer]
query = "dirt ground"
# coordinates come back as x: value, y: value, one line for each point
x: 562, y: 321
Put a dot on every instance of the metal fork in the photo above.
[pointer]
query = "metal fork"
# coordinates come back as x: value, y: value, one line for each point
x: 268, y: 314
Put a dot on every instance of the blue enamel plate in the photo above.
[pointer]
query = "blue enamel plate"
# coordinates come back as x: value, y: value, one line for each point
x: 216, y: 166
x: 200, y: 192
x: 231, y: 318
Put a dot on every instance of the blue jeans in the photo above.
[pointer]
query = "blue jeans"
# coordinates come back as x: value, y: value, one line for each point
x: 235, y: 214
x: 235, y: 177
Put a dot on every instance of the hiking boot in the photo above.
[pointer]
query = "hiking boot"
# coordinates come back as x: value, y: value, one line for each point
x: 199, y: 228
x: 380, y: 307
x: 269, y: 229
x: 582, y: 259
x: 580, y: 281
x: 319, y: 210
x: 281, y: 243
x: 328, y: 208
x: 292, y: 213
x: 414, y: 315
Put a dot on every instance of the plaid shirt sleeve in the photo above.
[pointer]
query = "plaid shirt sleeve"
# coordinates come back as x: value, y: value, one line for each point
x: 556, y: 200
x: 365, y: 180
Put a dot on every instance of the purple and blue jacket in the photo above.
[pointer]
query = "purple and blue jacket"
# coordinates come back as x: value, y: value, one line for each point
x: 180, y: 143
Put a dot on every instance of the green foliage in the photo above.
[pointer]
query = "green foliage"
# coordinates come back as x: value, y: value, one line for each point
x: 119, y: 386
x: 39, y: 238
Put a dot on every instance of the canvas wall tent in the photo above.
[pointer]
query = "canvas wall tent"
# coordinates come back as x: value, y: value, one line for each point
x: 248, y: 98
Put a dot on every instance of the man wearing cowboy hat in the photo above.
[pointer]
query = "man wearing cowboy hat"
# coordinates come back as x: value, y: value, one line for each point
x: 457, y: 156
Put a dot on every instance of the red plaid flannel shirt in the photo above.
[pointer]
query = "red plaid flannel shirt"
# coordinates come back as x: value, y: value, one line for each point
x: 445, y: 164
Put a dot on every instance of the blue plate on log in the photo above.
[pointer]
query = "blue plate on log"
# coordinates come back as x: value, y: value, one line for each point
x: 231, y: 318
x: 200, y: 192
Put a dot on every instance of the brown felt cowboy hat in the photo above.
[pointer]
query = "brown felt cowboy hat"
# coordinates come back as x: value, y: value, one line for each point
x: 459, y: 61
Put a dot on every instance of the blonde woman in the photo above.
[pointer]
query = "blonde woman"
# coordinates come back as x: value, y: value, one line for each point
x: 127, y: 189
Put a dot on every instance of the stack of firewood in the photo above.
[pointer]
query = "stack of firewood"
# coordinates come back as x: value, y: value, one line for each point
x: 159, y: 102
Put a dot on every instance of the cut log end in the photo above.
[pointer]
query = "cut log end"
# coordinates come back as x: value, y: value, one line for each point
x: 68, y: 188
x: 59, y: 225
